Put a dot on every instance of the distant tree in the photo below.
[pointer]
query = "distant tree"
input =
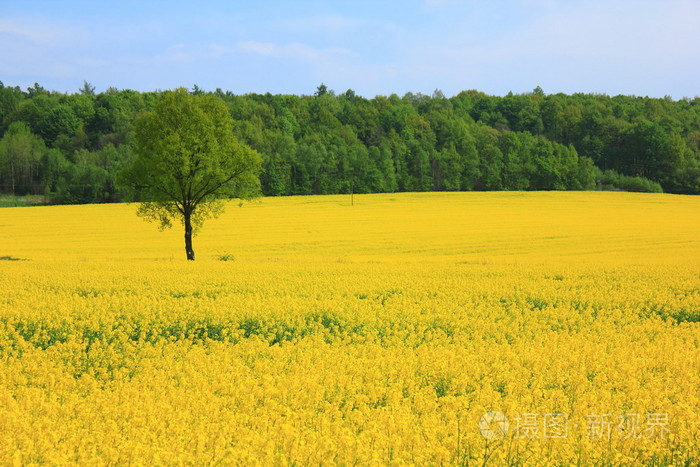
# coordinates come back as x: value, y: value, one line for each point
x: 36, y: 90
x: 188, y: 160
x: 10, y: 98
x: 86, y: 181
x: 87, y: 89
x: 20, y: 158
x: 59, y: 125
x: 321, y: 90
x: 490, y: 158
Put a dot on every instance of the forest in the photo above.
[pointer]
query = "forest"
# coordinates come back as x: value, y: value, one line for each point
x: 72, y: 147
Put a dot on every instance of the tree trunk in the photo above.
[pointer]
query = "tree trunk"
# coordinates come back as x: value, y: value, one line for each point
x: 188, y: 236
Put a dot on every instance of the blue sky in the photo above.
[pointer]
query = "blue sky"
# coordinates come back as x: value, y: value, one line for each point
x: 640, y: 47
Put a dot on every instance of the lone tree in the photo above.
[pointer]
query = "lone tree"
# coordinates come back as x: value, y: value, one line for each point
x: 188, y: 161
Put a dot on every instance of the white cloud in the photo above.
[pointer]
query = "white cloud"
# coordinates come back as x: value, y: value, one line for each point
x: 88, y: 62
x: 218, y: 50
x: 293, y: 50
x: 32, y: 51
x: 178, y: 53
x: 632, y: 47
x: 262, y: 48
x: 639, y: 35
x: 435, y: 4
x: 38, y: 32
x: 333, y: 23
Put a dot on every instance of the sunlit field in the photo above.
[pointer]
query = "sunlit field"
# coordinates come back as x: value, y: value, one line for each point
x: 439, y: 329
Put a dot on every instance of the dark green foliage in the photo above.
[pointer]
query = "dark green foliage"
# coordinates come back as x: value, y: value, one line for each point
x: 612, y: 180
x: 341, y: 143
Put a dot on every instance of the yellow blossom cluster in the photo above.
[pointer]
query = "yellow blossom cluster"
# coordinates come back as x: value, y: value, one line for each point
x: 438, y: 329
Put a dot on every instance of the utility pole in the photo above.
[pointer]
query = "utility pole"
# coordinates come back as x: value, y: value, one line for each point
x: 352, y: 189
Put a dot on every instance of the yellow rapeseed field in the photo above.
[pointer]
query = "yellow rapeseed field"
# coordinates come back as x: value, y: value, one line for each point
x: 432, y: 329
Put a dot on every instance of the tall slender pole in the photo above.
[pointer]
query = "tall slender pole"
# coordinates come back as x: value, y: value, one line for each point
x: 352, y: 189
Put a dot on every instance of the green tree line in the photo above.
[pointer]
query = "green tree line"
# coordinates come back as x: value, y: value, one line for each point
x: 72, y: 147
